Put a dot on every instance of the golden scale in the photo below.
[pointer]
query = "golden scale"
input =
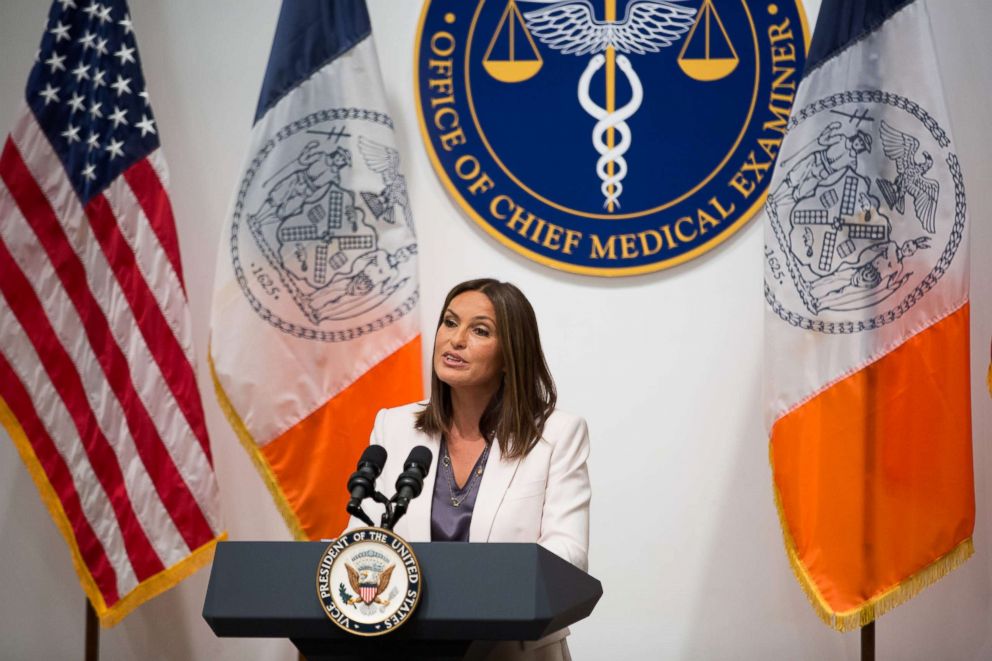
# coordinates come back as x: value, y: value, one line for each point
x: 524, y: 59
x: 525, y: 62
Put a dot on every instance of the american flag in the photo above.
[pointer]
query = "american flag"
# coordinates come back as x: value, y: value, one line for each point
x: 97, y: 377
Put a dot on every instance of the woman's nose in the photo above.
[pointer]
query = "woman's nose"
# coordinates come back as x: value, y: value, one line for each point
x: 459, y: 337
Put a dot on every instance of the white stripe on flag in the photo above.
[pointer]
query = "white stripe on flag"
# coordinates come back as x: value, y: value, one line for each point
x: 59, y: 425
x: 152, y: 515
x: 169, y: 421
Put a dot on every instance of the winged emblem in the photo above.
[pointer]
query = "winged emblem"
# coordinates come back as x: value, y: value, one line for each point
x: 368, y: 585
x: 901, y: 148
x: 647, y: 26
x: 385, y: 161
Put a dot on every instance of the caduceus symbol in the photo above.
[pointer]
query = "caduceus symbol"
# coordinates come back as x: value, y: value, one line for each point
x: 647, y: 27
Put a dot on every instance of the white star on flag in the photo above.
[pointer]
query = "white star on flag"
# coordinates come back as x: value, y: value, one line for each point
x: 125, y: 54
x: 81, y: 71
x: 117, y: 117
x: 98, y: 78
x: 90, y: 171
x: 61, y: 32
x: 56, y: 62
x: 92, y: 141
x: 126, y: 24
x: 92, y: 9
x: 121, y: 85
x: 101, y: 46
x: 95, y: 110
x: 86, y: 41
x: 67, y: 4
x: 50, y: 93
x: 144, y: 95
x: 71, y: 134
x: 104, y: 14
x: 146, y: 125
x: 114, y: 148
x: 76, y: 102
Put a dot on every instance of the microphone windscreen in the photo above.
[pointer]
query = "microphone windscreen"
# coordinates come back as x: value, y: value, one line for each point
x: 375, y: 455
x: 421, y: 456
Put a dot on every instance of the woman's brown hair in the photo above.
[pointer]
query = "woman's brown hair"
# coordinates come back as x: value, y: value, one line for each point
x: 516, y: 414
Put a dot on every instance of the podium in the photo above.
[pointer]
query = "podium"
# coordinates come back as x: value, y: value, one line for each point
x: 472, y: 592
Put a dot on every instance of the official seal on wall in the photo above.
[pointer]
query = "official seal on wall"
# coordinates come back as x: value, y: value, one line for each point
x: 608, y: 137
x: 867, y: 212
x: 368, y: 581
x: 322, y: 239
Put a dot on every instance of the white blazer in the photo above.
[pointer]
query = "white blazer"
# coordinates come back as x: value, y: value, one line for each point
x: 542, y: 497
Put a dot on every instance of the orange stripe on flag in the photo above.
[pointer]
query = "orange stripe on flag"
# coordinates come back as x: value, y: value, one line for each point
x: 312, y: 461
x: 874, y: 477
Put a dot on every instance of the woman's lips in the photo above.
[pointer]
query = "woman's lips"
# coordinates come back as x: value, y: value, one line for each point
x: 452, y: 360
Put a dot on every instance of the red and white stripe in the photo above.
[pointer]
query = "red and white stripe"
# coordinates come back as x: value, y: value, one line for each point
x: 97, y: 362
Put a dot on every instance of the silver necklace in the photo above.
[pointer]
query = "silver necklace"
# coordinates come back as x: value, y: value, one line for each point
x: 449, y: 476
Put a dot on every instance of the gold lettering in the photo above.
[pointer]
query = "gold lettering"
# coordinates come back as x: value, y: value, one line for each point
x: 628, y: 249
x: 678, y: 229
x: 446, y: 38
x: 743, y: 185
x: 599, y: 251
x: 770, y: 146
x: 473, y: 165
x: 715, y: 203
x: 646, y: 248
x: 780, y: 32
x: 521, y: 217
x: 495, y: 204
x: 482, y: 184
x: 552, y: 238
x: 572, y: 238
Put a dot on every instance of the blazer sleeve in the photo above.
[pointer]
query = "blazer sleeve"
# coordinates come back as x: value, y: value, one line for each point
x: 565, y: 519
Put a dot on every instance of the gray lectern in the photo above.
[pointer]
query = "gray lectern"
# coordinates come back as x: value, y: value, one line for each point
x: 487, y: 592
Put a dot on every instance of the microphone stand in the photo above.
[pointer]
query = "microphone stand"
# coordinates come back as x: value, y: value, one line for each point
x: 355, y: 509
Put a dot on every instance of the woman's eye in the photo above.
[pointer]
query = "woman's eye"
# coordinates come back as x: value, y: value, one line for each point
x: 450, y: 323
x: 482, y: 330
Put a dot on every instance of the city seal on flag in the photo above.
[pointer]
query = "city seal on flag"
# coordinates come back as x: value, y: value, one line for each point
x: 368, y: 581
x: 613, y: 137
x: 322, y: 238
x: 867, y: 211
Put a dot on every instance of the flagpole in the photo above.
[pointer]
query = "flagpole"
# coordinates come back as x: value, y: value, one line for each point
x: 868, y: 630
x: 92, y: 634
x: 868, y: 642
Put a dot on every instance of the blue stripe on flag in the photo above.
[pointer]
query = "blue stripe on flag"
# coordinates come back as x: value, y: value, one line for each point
x: 309, y: 35
x: 840, y: 23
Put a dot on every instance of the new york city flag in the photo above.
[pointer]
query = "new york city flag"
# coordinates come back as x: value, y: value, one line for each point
x: 314, y: 324
x: 866, y: 288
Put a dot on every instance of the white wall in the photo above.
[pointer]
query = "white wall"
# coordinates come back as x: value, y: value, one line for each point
x: 666, y: 368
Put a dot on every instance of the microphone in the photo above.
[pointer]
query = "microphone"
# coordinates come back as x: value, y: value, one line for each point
x: 411, y: 481
x: 361, y: 484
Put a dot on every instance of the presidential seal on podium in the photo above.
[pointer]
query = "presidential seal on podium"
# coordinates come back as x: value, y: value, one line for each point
x: 368, y: 581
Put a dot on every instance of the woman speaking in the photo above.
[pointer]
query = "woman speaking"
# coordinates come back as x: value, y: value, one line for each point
x: 510, y: 467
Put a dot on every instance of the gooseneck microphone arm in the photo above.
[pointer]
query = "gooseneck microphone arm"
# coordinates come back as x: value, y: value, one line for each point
x: 408, y: 485
x: 361, y: 484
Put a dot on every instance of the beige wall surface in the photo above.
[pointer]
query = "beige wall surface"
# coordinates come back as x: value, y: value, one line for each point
x: 665, y: 367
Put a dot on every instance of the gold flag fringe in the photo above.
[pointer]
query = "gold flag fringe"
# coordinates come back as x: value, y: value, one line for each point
x: 150, y: 587
x: 988, y: 378
x: 261, y: 465
x: 878, y: 605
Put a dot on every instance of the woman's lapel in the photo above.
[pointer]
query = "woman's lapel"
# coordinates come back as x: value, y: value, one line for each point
x: 417, y: 521
x: 495, y: 480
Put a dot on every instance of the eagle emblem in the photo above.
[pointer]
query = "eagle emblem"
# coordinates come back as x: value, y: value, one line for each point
x: 901, y: 148
x: 369, y: 581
